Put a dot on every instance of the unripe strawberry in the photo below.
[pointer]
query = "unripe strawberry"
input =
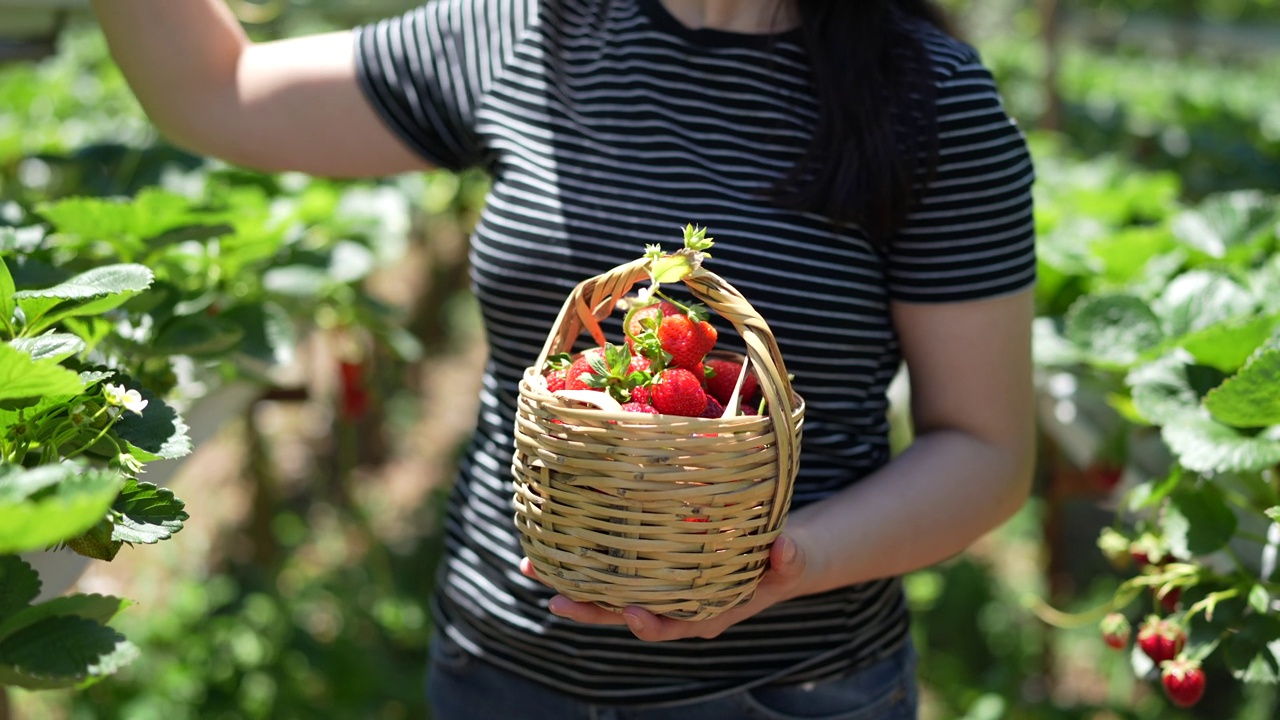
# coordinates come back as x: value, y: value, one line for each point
x: 1183, y: 682
x: 725, y: 376
x: 676, y: 391
x: 1161, y: 639
x: 1115, y: 630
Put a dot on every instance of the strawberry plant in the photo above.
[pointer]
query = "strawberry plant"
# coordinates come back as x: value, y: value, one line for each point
x: 1169, y: 316
x: 75, y: 434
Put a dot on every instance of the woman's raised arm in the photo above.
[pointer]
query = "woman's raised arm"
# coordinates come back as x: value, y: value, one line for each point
x: 292, y: 104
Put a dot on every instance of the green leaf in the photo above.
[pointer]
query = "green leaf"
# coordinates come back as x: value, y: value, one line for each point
x: 1114, y: 329
x: 1250, y: 398
x: 195, y: 335
x: 1260, y: 599
x: 97, y: 282
x: 151, y: 213
x: 1050, y: 348
x: 297, y: 281
x: 79, y: 500
x: 1274, y: 513
x: 1229, y: 223
x: 1200, y: 299
x: 159, y: 430
x: 19, y: 585
x: 1161, y: 389
x: 670, y: 268
x: 1253, y: 652
x: 1202, y: 444
x: 7, y: 289
x: 50, y: 346
x: 99, y: 608
x: 1198, y: 521
x: 89, y: 293
x: 62, y: 651
x: 147, y: 513
x: 23, y: 377
x: 1227, y: 346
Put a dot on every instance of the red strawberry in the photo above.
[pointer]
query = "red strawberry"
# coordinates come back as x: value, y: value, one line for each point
x: 725, y: 376
x: 354, y: 390
x: 1161, y: 639
x: 713, y: 409
x: 556, y: 380
x: 639, y: 407
x: 1169, y: 599
x: 686, y: 339
x: 647, y: 317
x: 1147, y: 550
x: 1183, y: 682
x: 640, y: 394
x: 1115, y: 631
x: 580, y: 370
x: 676, y: 391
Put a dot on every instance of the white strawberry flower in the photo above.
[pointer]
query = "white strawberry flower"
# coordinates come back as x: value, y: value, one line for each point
x: 117, y: 396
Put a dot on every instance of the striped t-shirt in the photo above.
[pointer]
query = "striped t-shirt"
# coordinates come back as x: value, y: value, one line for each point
x: 607, y: 125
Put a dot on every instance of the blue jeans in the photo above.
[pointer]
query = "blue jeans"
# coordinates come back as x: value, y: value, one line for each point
x: 462, y: 687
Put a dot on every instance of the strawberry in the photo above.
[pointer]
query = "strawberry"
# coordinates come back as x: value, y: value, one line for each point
x: 1168, y: 599
x: 354, y: 390
x: 1161, y: 639
x: 1147, y: 550
x: 723, y: 378
x: 640, y: 394
x: 647, y: 318
x: 639, y: 407
x: 713, y: 409
x: 676, y: 391
x: 1183, y: 682
x: 575, y: 376
x: 1115, y: 631
x: 687, y: 339
x: 556, y: 380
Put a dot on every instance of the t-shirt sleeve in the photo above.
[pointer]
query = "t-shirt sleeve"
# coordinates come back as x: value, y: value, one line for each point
x: 427, y: 72
x: 971, y: 234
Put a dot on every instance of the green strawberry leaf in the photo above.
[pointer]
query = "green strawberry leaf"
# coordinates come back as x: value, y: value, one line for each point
x: 1114, y: 330
x: 1227, y: 346
x: 19, y: 585
x: 195, y: 335
x: 90, y: 293
x: 146, y: 513
x: 1249, y: 399
x: 159, y: 430
x: 62, y: 651
x: 1260, y: 599
x: 50, y: 346
x: 99, y: 608
x: 1252, y: 653
x: 1234, y: 223
x: 297, y: 281
x: 267, y: 333
x: 150, y: 214
x: 23, y: 377
x: 1202, y: 444
x: 1274, y: 513
x: 1200, y: 299
x: 7, y: 289
x: 63, y: 510
x: 1161, y: 389
x: 1198, y: 521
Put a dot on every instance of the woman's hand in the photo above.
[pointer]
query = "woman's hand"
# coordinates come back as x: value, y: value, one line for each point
x: 789, y: 565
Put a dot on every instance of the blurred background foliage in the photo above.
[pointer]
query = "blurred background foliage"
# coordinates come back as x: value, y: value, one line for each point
x: 298, y: 589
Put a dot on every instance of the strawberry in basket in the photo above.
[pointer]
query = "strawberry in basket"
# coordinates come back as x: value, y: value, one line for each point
x: 653, y: 469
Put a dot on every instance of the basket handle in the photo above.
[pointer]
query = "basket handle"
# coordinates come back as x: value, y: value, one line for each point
x: 595, y: 298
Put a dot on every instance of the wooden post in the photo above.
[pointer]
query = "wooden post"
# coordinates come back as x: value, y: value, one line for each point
x: 1051, y: 35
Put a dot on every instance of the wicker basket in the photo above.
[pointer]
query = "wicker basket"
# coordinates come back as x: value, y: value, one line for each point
x: 672, y: 514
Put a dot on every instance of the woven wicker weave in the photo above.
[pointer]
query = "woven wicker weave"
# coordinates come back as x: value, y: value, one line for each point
x: 672, y: 514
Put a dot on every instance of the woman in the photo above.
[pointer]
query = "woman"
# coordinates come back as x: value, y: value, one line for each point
x: 868, y: 194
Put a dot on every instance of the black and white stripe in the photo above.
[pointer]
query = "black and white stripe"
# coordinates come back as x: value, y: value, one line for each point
x: 606, y: 126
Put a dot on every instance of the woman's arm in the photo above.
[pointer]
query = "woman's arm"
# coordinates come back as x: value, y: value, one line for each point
x: 292, y: 104
x: 968, y: 470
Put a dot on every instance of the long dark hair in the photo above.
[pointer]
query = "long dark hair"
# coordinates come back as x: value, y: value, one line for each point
x: 875, y: 131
